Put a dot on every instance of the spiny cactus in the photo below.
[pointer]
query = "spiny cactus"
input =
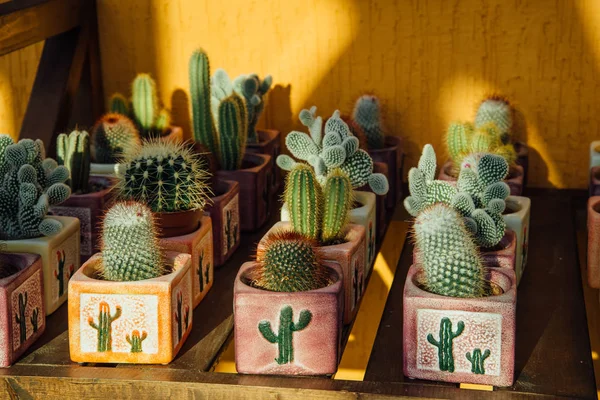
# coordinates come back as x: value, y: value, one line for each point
x: 111, y: 136
x: 498, y: 110
x: 104, y: 326
x: 444, y: 344
x: 73, y: 151
x: 119, y: 104
x: 136, y: 340
x: 252, y: 89
x: 166, y: 176
x: 287, y: 262
x: 204, y: 127
x: 367, y: 114
x: 31, y: 184
x: 287, y: 327
x: 130, y: 249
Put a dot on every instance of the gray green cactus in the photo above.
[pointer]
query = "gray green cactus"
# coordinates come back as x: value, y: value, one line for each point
x: 130, y: 249
x: 367, y: 114
x: 104, y: 326
x: 34, y: 319
x: 253, y: 90
x: 31, y: 184
x: 444, y: 345
x: 73, y: 151
x: 21, y: 317
x: 477, y: 361
x: 287, y: 327
x: 111, y: 136
x: 135, y: 340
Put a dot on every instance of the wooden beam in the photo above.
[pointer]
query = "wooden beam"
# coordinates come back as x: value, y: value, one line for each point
x: 30, y: 25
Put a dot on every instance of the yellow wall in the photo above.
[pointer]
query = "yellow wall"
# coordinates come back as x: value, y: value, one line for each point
x: 429, y: 61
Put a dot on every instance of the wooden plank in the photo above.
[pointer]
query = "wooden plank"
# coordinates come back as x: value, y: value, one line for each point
x: 26, y: 26
x: 553, y: 354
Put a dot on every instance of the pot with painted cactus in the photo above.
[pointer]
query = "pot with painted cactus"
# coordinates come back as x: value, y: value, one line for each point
x: 90, y: 196
x: 321, y: 214
x: 459, y: 314
x: 111, y: 135
x: 220, y: 123
x: 288, y: 309
x: 172, y: 180
x: 31, y: 184
x: 133, y: 301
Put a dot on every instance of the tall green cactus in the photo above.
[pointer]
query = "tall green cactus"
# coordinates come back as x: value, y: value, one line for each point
x: 136, y: 340
x: 111, y: 136
x: 146, y: 113
x: 204, y: 126
x: 21, y: 318
x: 253, y: 90
x: 287, y: 327
x: 367, y: 114
x: 73, y: 151
x: 477, y: 360
x: 444, y: 345
x: 104, y: 326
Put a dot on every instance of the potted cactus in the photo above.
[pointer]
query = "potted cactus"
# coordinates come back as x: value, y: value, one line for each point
x: 337, y: 148
x: 31, y: 184
x: 171, y: 180
x: 151, y: 121
x: 287, y: 309
x: 132, y: 302
x: 111, y: 135
x: 322, y: 214
x: 381, y: 147
x: 221, y: 125
x: 23, y: 315
x: 90, y: 197
x: 459, y: 316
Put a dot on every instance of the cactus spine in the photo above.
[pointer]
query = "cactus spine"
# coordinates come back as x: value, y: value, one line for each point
x: 367, y: 114
x: 136, y: 340
x: 34, y: 319
x: 21, y: 318
x: 111, y: 136
x: 477, y: 361
x: 104, y: 326
x: 73, y: 151
x: 445, y: 355
x: 287, y: 327
x: 204, y: 127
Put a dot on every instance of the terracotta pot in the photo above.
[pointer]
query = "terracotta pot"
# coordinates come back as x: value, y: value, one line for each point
x: 254, y: 190
x: 594, y: 181
x: 178, y: 223
x: 391, y: 155
x: 60, y: 259
x: 380, y: 206
x: 89, y: 208
x: 514, y: 179
x: 200, y: 245
x: 225, y: 216
x: 263, y: 345
x: 437, y: 348
x: 516, y: 216
x: 522, y: 158
x: 269, y: 142
x: 145, y: 322
x: 593, y: 248
x: 351, y: 258
x: 22, y: 311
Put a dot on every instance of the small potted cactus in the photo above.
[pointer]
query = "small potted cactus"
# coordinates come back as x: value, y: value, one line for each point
x: 90, y: 197
x: 337, y: 148
x: 171, y: 179
x: 132, y: 302
x: 381, y: 147
x: 23, y: 315
x: 321, y: 214
x: 220, y: 124
x: 151, y: 121
x: 111, y: 135
x: 459, y: 316
x: 287, y: 308
x: 31, y: 184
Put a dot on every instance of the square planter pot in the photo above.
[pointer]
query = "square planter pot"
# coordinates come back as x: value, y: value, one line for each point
x: 380, y: 206
x: 391, y: 155
x: 200, y: 245
x: 351, y: 258
x: 593, y: 248
x: 141, y: 322
x: 224, y: 213
x: 595, y: 181
x: 462, y: 340
x: 516, y: 216
x: 269, y: 143
x: 255, y: 190
x: 60, y: 259
x: 280, y: 333
x: 22, y: 312
x: 522, y: 158
x: 89, y: 209
x: 514, y: 179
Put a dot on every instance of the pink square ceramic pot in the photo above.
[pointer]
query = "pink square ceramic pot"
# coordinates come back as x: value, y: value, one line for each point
x: 22, y: 311
x: 460, y: 340
x: 281, y: 333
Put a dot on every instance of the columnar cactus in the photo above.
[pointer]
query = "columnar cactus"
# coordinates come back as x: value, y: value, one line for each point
x: 104, y: 326
x: 367, y: 114
x: 498, y: 110
x: 253, y: 90
x: 130, y: 249
x: 21, y: 317
x: 30, y: 185
x: 136, y: 340
x: 166, y: 176
x: 337, y: 205
x: 111, y: 135
x: 73, y: 151
x: 444, y: 345
x: 204, y: 126
x: 477, y: 360
x: 287, y: 327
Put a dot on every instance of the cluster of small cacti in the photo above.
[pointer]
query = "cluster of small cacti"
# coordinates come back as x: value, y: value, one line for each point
x: 337, y: 148
x: 144, y: 109
x: 166, y: 176
x: 111, y: 136
x: 73, y: 151
x: 367, y: 115
x: 31, y: 184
